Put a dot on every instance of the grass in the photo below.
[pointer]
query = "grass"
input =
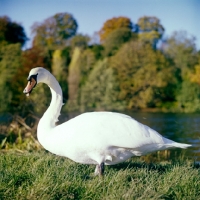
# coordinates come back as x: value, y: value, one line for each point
x: 41, y: 175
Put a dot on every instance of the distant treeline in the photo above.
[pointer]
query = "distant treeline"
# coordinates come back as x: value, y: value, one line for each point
x: 124, y: 65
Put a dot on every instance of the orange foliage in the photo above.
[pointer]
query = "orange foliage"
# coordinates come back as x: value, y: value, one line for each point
x: 113, y: 24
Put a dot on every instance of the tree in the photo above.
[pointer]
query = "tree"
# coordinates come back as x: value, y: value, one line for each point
x: 98, y: 50
x: 55, y: 31
x: 113, y: 24
x: 11, y: 32
x: 82, y: 63
x: 33, y: 57
x: 195, y: 75
x: 150, y: 30
x: 181, y: 48
x: 144, y: 76
x: 188, y: 97
x: 115, y: 39
x: 60, y: 69
x: 80, y: 41
x: 100, y: 91
x: 74, y: 80
x: 10, y: 63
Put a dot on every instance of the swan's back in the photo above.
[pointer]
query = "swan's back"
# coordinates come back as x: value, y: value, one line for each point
x: 115, y: 128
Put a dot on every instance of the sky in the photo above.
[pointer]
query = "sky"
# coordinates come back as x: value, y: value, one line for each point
x: 174, y: 15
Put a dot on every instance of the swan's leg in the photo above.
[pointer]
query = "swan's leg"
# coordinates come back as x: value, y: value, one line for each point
x: 99, y: 169
x: 96, y: 172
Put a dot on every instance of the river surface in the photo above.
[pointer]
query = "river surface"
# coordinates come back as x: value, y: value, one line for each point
x: 180, y: 127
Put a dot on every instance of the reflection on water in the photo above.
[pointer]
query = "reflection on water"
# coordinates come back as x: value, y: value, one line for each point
x: 180, y: 127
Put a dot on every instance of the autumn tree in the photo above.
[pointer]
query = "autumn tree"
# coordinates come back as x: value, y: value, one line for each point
x: 113, y: 24
x: 11, y: 32
x: 115, y: 39
x: 30, y: 58
x: 150, y: 30
x: 144, y: 75
x: 195, y: 75
x: 55, y: 31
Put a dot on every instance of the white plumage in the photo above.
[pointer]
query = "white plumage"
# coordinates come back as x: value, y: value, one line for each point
x: 93, y: 138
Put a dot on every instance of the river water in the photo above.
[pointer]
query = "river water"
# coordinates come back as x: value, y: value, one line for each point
x: 180, y: 127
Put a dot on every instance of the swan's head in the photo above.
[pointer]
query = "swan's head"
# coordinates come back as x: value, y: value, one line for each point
x: 36, y: 75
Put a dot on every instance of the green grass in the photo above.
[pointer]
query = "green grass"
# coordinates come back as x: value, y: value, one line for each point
x: 41, y: 175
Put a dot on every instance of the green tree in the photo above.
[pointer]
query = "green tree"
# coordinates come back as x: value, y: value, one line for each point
x: 80, y: 41
x: 55, y: 31
x: 182, y: 50
x: 11, y: 32
x: 113, y: 24
x: 98, y: 50
x: 100, y: 91
x: 81, y: 64
x: 188, y: 97
x: 10, y: 63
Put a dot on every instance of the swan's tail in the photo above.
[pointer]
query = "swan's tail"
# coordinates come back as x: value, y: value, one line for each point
x: 173, y: 144
x: 181, y: 145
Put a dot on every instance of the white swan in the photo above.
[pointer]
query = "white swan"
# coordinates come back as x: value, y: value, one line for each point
x: 93, y: 138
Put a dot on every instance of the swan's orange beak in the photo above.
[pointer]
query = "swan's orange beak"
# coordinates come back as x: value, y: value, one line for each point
x: 31, y: 84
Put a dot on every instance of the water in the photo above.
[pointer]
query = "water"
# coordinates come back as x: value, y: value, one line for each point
x: 180, y: 127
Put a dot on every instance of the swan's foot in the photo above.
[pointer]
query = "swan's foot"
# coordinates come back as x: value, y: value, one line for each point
x: 99, y: 170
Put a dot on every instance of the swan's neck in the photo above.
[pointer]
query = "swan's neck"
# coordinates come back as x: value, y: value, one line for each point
x: 50, y: 117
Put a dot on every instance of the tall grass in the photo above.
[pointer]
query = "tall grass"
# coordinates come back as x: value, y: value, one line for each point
x: 41, y: 175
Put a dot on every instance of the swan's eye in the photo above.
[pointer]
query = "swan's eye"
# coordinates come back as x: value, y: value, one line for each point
x: 32, y: 77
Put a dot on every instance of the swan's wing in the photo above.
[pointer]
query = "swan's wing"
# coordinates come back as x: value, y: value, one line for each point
x: 108, y: 129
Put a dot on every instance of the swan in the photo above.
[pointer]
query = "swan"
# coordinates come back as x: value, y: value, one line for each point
x: 99, y: 138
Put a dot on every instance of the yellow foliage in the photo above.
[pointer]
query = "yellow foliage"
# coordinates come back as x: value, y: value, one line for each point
x: 74, y: 78
x: 149, y: 36
x: 113, y: 24
x: 196, y: 76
